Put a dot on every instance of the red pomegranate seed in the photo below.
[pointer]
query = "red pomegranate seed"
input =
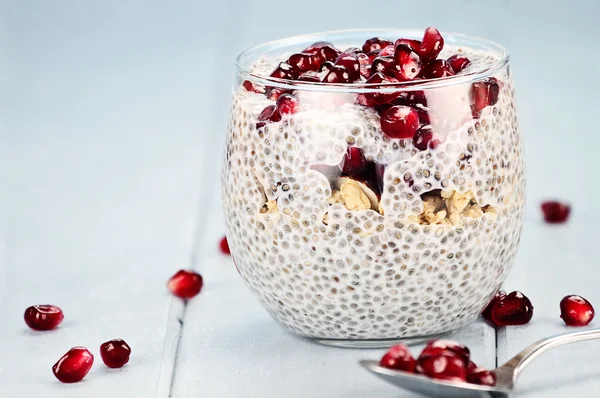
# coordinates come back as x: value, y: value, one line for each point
x: 224, y: 246
x: 270, y: 114
x: 484, y: 93
x: 373, y: 54
x: 399, y: 121
x: 514, y: 309
x: 354, y: 162
x: 482, y: 377
x: 375, y: 43
x: 43, y: 317
x: 378, y: 98
x: 337, y: 74
x: 414, y: 44
x: 398, y: 357
x: 458, y: 62
x: 284, y: 71
x: 287, y: 104
x: 424, y: 139
x: 253, y: 87
x: 74, y: 365
x: 115, y: 353
x: 365, y: 71
x: 555, y: 212
x: 302, y: 62
x: 443, y: 367
x: 363, y: 58
x: 273, y: 93
x: 437, y: 69
x: 314, y: 48
x: 487, y: 312
x: 446, y: 347
x: 384, y: 65
x: 471, y: 367
x: 431, y: 45
x: 387, y: 51
x: 185, y: 284
x: 351, y: 63
x: 407, y: 63
x: 412, y: 98
x: 327, y: 66
x: 353, y: 50
x: 576, y: 311
x: 327, y: 53
x: 309, y: 77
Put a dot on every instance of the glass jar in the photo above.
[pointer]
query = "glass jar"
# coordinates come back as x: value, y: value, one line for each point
x: 366, y: 209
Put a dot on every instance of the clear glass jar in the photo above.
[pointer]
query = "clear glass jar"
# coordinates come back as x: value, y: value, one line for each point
x: 361, y: 213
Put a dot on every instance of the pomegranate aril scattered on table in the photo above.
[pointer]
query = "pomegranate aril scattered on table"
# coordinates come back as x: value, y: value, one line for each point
x: 74, y: 365
x: 458, y: 62
x: 512, y: 310
x: 576, y: 311
x: 555, y: 212
x: 487, y: 311
x: 185, y: 284
x: 375, y: 43
x: 398, y: 357
x: 43, y: 317
x: 115, y: 353
x: 399, y: 121
x: 482, y: 377
x: 224, y: 246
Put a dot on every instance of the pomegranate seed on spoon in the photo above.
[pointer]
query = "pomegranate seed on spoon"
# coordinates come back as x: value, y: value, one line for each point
x: 445, y: 366
x: 115, y: 353
x: 514, y: 309
x: 431, y: 45
x: 43, y: 317
x: 224, y: 246
x: 482, y: 377
x: 399, y: 121
x: 458, y: 62
x: 471, y: 367
x: 74, y: 365
x: 375, y: 43
x: 185, y: 284
x: 576, y: 311
x: 398, y: 357
x: 407, y: 63
x: 446, y: 347
x: 555, y: 212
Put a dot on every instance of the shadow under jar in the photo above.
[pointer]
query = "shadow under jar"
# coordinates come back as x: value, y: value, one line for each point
x: 371, y: 202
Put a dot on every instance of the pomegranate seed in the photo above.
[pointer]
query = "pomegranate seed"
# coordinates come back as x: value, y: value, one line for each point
x: 287, y: 104
x: 471, y: 367
x: 446, y: 347
x: 337, y: 74
x: 414, y: 44
x: 365, y: 71
x: 309, y: 77
x: 224, y: 246
x: 302, y: 62
x: 270, y: 114
x: 351, y: 63
x: 482, y: 377
x: 375, y: 43
x: 424, y: 138
x: 379, y: 172
x: 253, y: 87
x: 387, y: 51
x: 115, y: 353
x: 377, y: 98
x: 363, y: 58
x: 284, y: 71
x: 273, y: 93
x: 412, y: 98
x: 315, y: 47
x: 372, y: 55
x: 74, y: 365
x: 437, y: 69
x: 484, y: 93
x: 576, y: 311
x: 43, y: 316
x: 443, y: 367
x: 185, y: 284
x: 514, y: 309
x: 354, y: 162
x: 555, y: 212
x: 424, y: 119
x: 458, y: 62
x: 407, y: 63
x: 487, y: 312
x: 327, y: 66
x: 400, y: 121
x: 398, y: 357
x: 431, y: 45
x: 327, y: 53
x: 384, y: 65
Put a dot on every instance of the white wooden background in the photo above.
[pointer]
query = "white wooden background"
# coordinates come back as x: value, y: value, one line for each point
x: 112, y: 119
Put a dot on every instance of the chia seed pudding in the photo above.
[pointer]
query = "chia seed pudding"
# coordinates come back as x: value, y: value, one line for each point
x: 374, y: 193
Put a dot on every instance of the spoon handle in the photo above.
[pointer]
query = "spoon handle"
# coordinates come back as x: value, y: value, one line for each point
x: 522, y: 359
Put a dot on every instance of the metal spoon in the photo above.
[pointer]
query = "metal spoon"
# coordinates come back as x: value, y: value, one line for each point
x: 506, y: 375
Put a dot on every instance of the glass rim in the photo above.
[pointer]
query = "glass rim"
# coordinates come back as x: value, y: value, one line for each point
x: 478, y: 74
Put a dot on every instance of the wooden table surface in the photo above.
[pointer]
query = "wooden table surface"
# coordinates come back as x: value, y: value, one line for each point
x: 112, y: 119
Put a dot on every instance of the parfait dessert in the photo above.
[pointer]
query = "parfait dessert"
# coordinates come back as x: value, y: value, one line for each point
x: 373, y: 181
